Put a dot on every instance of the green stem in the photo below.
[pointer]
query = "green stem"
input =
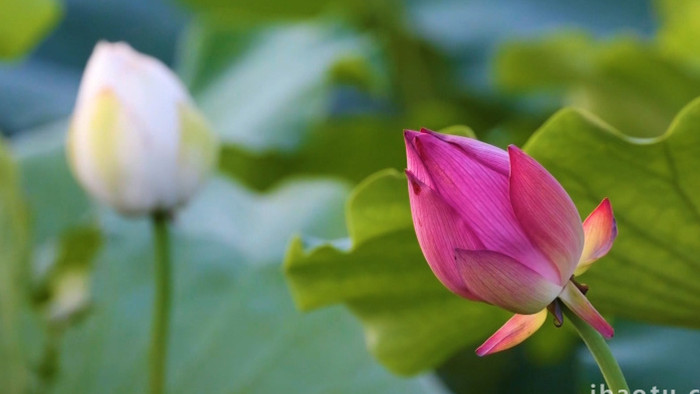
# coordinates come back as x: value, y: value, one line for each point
x: 600, y: 351
x: 161, y: 305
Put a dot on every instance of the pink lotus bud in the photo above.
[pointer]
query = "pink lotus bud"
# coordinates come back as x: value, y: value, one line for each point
x: 496, y: 227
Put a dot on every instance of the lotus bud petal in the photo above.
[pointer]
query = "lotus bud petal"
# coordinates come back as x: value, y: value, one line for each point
x: 442, y: 231
x: 501, y: 280
x: 517, y: 329
x: 545, y: 212
x: 137, y: 142
x: 600, y: 231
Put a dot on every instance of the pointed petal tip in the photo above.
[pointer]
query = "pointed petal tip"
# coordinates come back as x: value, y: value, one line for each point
x: 516, y: 330
x: 604, y: 328
x: 414, y: 182
x: 601, y: 325
x: 606, y: 206
x: 415, y: 142
x: 409, y: 135
x: 600, y: 231
x: 411, y: 176
x: 482, y: 350
x: 513, y: 149
x: 608, y: 333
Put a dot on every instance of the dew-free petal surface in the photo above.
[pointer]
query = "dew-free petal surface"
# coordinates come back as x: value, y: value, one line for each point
x: 440, y: 230
x: 517, y: 329
x: 503, y: 281
x: 600, y: 231
x: 546, y: 212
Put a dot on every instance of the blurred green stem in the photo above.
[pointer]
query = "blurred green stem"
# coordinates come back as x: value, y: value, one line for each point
x: 601, y: 353
x: 161, y: 306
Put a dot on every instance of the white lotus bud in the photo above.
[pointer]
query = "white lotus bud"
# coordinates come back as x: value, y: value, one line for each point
x: 137, y: 142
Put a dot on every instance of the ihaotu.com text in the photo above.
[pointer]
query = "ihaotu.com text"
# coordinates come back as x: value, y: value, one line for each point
x: 602, y: 389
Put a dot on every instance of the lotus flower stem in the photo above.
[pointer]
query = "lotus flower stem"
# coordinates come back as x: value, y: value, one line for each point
x: 601, y: 353
x: 161, y: 306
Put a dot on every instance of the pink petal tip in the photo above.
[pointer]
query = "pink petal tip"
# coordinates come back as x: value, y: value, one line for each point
x: 517, y: 329
x: 600, y: 231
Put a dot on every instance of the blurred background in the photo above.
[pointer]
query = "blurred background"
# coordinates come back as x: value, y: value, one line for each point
x: 309, y: 98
